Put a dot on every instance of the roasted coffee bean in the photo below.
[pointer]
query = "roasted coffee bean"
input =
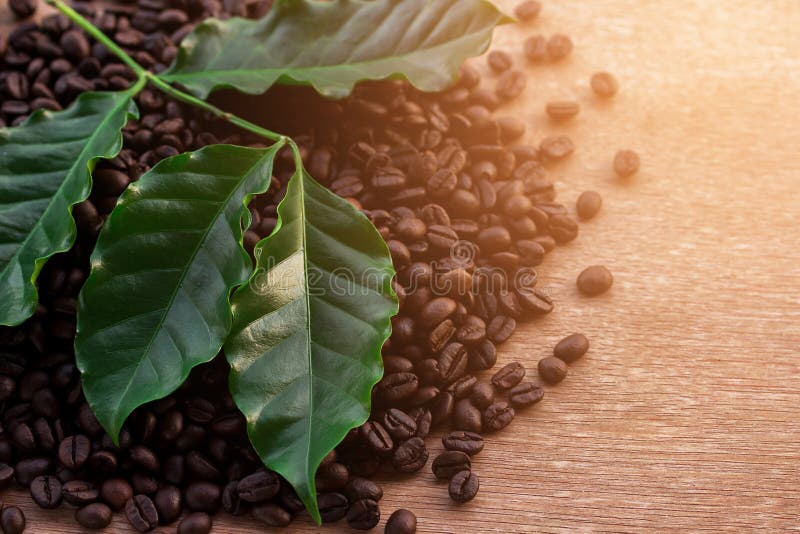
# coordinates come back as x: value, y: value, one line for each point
x: 595, y: 280
x: 442, y: 407
x: 260, y: 486
x: 528, y: 10
x: 203, y: 497
x: 436, y: 311
x: 376, y: 437
x: 23, y: 438
x: 561, y: 110
x: 499, y: 61
x: 497, y: 416
x: 441, y: 237
x: 145, y: 458
x: 12, y: 520
x: 494, y: 239
x: 463, y: 487
x: 46, y: 491
x: 23, y: 8
x: 362, y: 488
x: 556, y: 147
x: 332, y: 506
x: 410, y: 456
x: 535, y: 48
x: 482, y: 395
x: 141, y: 513
x: 463, y: 387
x: 508, y: 376
x: 423, y: 419
x: 563, y: 228
x: 231, y: 502
x: 28, y: 469
x: 6, y: 475
x: 448, y: 463
x: 401, y: 521
x: 200, y: 410
x: 397, y: 364
x: 511, y: 129
x: 525, y: 394
x: 272, y: 515
x: 469, y: 443
x: 441, y: 184
x: 588, y: 204
x: 74, y: 451
x: 198, y: 522
x: 511, y: 84
x: 399, y: 425
x: 452, y: 362
x: 428, y: 371
x: 364, y: 514
x: 571, y: 348
x: 552, y: 370
x: 116, y: 492
x: 332, y: 477
x: 604, y: 84
x: 169, y: 504
x: 626, y: 163
x: 79, y: 492
x: 500, y: 328
x: 483, y: 355
x: 94, y: 516
x: 536, y: 301
x: 397, y: 386
x: 559, y: 46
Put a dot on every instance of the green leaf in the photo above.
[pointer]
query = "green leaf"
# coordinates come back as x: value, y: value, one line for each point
x: 305, y: 347
x: 156, y: 303
x: 333, y: 45
x: 45, y: 169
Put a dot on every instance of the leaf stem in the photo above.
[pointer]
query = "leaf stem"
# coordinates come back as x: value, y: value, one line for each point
x: 147, y: 76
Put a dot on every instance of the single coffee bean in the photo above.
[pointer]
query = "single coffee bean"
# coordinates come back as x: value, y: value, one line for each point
x: 410, y: 456
x: 535, y: 48
x: 399, y: 425
x: 452, y: 362
x: 442, y: 407
x: 604, y: 84
x: 75, y: 44
x: 499, y: 61
x: 441, y: 237
x: 626, y: 163
x: 571, y: 348
x: 364, y: 514
x: 169, y: 504
x: 141, y: 513
x: 332, y: 506
x: 500, y: 328
x: 559, y: 46
x: 260, y: 486
x: 423, y: 419
x: 203, y: 497
x: 79, y: 492
x: 272, y: 515
x: 397, y: 386
x: 332, y: 477
x: 556, y: 147
x: 6, y: 475
x: 23, y: 8
x: 562, y: 110
x: 448, y: 463
x: 362, y: 488
x: 441, y: 184
x: 529, y: 10
x: 510, y: 84
x: 231, y: 502
x: 196, y: 523
x: 46, y: 491
x: 116, y: 492
x: 483, y: 355
x: 463, y: 487
x: 588, y: 204
x: 536, y: 301
x: 74, y: 451
x: 201, y: 466
x: 525, y: 394
x: 509, y: 376
x: 200, y: 410
x: 12, y: 520
x: 482, y: 395
x: 469, y: 443
x: 94, y: 516
x: 463, y: 387
x: 595, y: 280
x: 494, y: 239
x: 401, y: 521
x: 498, y: 416
x: 436, y: 311
x: 552, y: 370
x: 376, y: 437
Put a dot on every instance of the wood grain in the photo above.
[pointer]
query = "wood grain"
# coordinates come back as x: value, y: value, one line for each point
x: 685, y: 415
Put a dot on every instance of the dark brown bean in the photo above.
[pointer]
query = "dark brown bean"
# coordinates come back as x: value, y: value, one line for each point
x: 196, y: 523
x: 332, y: 506
x: 169, y: 504
x: 203, y: 497
x: 552, y: 370
x: 397, y: 386
x: 23, y: 8
x: 12, y: 520
x: 46, y: 491
x: 559, y: 46
x: 452, y: 362
x: 469, y: 443
x: 595, y: 280
x: 604, y: 84
x: 260, y: 486
x: 556, y: 147
x: 79, y: 492
x: 94, y: 516
x: 509, y: 376
x: 500, y: 328
x: 364, y: 514
x: 116, y: 492
x: 74, y: 451
x: 362, y: 488
x: 401, y: 522
x: 376, y: 437
x: 399, y: 425
x: 272, y: 515
x: 497, y: 416
x: 463, y: 487
x: 626, y: 163
x: 410, y: 456
x: 141, y: 513
x: 448, y: 463
x: 571, y: 348
x: 525, y: 394
x: 482, y: 356
x: 436, y: 311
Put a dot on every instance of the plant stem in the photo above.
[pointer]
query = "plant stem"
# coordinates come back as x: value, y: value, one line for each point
x: 147, y: 76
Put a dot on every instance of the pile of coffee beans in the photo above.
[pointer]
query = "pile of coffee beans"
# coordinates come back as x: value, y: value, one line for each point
x: 468, y: 213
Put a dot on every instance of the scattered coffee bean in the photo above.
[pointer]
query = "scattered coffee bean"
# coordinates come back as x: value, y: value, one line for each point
x: 410, y: 456
x: 571, y: 348
x: 260, y: 486
x: 529, y: 10
x: 203, y: 497
x: 595, y: 280
x: 525, y: 394
x: 94, y: 516
x: 626, y: 163
x: 469, y: 443
x: 588, y: 204
x: 401, y: 521
x: 12, y: 520
x: 46, y: 491
x: 169, y: 504
x: 464, y: 486
x: 362, y: 488
x: 604, y: 84
x: 195, y: 523
x: 141, y: 513
x: 74, y: 451
x: 332, y: 506
x: 272, y: 515
x: 499, y: 61
x: 364, y: 514
x: 508, y: 376
x: 562, y: 110
x: 552, y: 370
x: 23, y: 8
x: 448, y: 463
x: 498, y: 416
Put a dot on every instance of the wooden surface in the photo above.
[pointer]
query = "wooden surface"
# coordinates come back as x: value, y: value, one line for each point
x: 685, y: 415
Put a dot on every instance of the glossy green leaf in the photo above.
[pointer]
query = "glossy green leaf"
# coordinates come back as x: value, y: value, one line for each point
x: 305, y: 347
x: 45, y: 169
x: 156, y: 303
x: 333, y: 45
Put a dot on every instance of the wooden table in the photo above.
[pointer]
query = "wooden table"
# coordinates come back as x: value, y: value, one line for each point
x: 685, y: 415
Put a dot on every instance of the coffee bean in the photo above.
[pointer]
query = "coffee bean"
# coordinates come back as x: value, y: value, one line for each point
x: 525, y: 394
x: 463, y: 387
x: 463, y: 487
x: 198, y: 522
x: 452, y: 362
x: 562, y: 110
x: 364, y: 514
x: 399, y: 424
x: 436, y: 311
x: 231, y: 502
x: 552, y: 370
x: 423, y: 418
x: 448, y: 463
x: 535, y: 301
x: 559, y: 46
x: 442, y: 407
x: 94, y: 516
x: 23, y: 438
x: 74, y: 451
x: 604, y: 84
x: 595, y: 280
x: 79, y: 492
x: 500, y: 328
x: 626, y: 163
x: 482, y: 356
x: 499, y: 61
x: 397, y: 386
x: 16, y: 86
x: 588, y: 204
x: 272, y: 515
x: 75, y: 44
x: 141, y: 513
x: 571, y: 348
x: 6, y: 475
x: 410, y: 456
x: 497, y: 416
x: 527, y: 11
x: 169, y: 504
x: 508, y: 376
x: 556, y: 147
x: 441, y: 237
x: 511, y: 84
x: 401, y: 521
x: 200, y: 410
x: 362, y: 488
x: 203, y: 497
x: 469, y: 443
x: 376, y: 437
x: 23, y: 8
x: 441, y: 184
x: 28, y: 469
x: 12, y: 520
x: 116, y: 492
x: 46, y: 491
x: 332, y: 477
x: 535, y: 48
x: 260, y: 486
x: 332, y: 506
